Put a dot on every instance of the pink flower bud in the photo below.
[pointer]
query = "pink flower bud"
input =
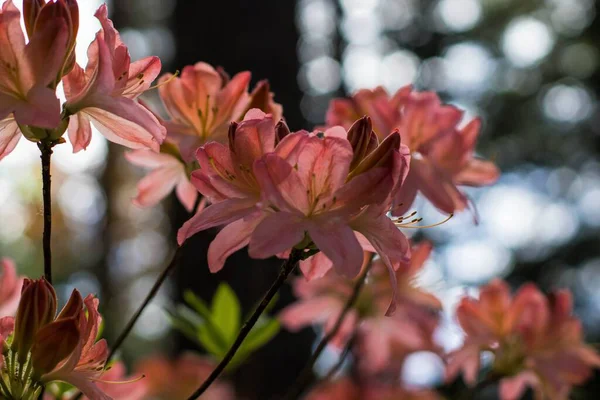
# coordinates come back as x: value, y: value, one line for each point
x: 36, y: 309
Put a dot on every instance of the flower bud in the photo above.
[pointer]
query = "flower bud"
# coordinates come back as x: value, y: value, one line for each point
x: 51, y: 18
x: 37, y: 308
x: 53, y: 343
x: 382, y: 156
x: 31, y: 10
x: 363, y: 140
x: 281, y: 131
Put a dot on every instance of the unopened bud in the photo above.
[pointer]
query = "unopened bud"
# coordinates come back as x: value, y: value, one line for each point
x: 31, y: 10
x: 231, y: 135
x: 37, y: 308
x: 281, y: 131
x: 382, y: 156
x: 362, y: 139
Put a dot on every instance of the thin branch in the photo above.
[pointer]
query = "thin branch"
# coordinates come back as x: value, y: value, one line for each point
x: 286, y: 269
x: 46, y: 154
x: 163, y: 276
x: 304, y: 377
x: 340, y: 362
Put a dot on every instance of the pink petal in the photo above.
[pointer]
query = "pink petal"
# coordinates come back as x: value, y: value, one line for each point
x: 132, y: 125
x: 186, y: 193
x: 275, y: 234
x: 338, y: 242
x: 157, y: 185
x: 316, y: 266
x: 477, y: 173
x: 221, y: 213
x: 41, y: 108
x: 9, y: 136
x: 229, y: 240
x: 281, y: 184
x: 512, y: 388
x: 312, y: 311
x: 437, y: 187
x: 141, y: 75
x: 80, y: 131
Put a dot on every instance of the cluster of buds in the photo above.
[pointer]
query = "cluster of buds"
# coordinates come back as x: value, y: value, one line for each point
x: 46, y: 346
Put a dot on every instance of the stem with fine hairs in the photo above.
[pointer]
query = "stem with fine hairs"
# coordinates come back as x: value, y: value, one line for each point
x: 304, y: 377
x: 286, y: 269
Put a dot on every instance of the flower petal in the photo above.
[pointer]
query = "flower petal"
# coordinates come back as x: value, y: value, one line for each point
x: 275, y: 234
x: 229, y: 240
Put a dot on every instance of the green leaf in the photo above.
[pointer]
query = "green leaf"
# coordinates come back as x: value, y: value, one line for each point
x: 210, y: 341
x: 258, y: 336
x: 197, y: 304
x: 226, y: 312
x: 262, y: 334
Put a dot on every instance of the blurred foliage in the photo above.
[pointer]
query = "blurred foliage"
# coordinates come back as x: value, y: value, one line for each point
x: 216, y: 327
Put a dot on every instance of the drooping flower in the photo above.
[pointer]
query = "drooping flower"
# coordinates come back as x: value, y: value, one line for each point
x: 442, y: 153
x: 376, y: 336
x: 28, y: 73
x: 535, y: 340
x: 168, y: 172
x: 178, y: 379
x: 10, y: 288
x: 105, y: 93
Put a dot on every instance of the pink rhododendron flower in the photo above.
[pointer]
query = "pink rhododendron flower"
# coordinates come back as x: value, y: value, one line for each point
x: 178, y: 379
x: 535, y: 340
x: 196, y: 88
x: 377, y: 336
x: 442, y: 154
x: 54, y: 347
x: 10, y: 288
x: 346, y: 389
x: 227, y: 180
x: 168, y: 173
x: 84, y: 365
x: 321, y: 197
x: 202, y: 103
x: 105, y: 92
x: 28, y: 73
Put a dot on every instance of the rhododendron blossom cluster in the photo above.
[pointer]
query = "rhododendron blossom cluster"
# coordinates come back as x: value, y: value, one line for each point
x: 334, y: 201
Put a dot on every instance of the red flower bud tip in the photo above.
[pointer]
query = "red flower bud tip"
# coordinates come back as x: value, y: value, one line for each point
x: 36, y: 309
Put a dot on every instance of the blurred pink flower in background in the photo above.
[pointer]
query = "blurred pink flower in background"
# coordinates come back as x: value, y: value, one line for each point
x: 177, y: 379
x: 105, y: 92
x: 442, y: 154
x: 10, y: 288
x: 377, y: 336
x: 168, y: 173
x: 535, y: 340
x: 346, y: 389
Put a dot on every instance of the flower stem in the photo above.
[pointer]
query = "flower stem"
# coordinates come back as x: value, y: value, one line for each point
x: 286, y: 269
x: 159, y: 281
x: 45, y: 147
x: 304, y: 376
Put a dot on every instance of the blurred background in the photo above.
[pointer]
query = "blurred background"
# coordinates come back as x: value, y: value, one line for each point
x: 529, y: 68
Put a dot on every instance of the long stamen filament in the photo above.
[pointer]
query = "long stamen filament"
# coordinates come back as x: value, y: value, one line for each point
x: 411, y: 225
